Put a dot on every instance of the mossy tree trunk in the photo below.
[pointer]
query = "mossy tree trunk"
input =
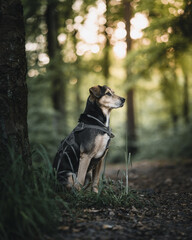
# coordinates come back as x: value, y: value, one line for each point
x: 13, y: 87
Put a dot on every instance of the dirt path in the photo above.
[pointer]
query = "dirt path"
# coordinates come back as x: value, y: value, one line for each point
x: 167, y: 185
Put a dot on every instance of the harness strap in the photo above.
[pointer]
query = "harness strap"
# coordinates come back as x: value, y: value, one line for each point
x: 71, y: 165
x: 111, y: 134
x: 90, y: 116
x: 105, y: 129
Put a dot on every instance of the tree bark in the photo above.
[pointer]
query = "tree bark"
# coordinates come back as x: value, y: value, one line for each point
x: 131, y: 135
x: 13, y: 87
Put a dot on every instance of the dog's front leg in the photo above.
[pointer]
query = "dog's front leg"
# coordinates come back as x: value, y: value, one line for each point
x: 82, y: 170
x: 96, y: 175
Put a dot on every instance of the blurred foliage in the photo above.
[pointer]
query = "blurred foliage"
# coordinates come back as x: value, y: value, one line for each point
x: 159, y: 70
x: 167, y: 145
x: 157, y: 59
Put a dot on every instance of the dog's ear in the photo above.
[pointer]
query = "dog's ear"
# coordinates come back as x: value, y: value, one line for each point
x: 95, y: 91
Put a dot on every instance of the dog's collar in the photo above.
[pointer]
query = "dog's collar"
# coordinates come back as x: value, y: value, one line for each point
x: 109, y: 130
x: 90, y: 116
x: 102, y: 126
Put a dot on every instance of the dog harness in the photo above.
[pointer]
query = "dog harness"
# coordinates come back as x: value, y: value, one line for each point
x: 67, y: 157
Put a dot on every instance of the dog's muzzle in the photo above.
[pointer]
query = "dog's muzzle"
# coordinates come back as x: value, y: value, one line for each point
x: 122, y: 101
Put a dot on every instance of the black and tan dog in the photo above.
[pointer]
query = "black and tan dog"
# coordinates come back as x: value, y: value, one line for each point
x: 80, y: 155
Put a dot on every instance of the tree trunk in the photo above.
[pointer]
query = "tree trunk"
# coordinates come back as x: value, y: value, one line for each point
x: 106, y: 59
x: 13, y: 87
x: 58, y: 93
x: 52, y: 27
x: 131, y: 136
x: 186, y: 99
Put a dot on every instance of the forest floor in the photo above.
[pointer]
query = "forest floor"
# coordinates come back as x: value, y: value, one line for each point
x: 166, y: 185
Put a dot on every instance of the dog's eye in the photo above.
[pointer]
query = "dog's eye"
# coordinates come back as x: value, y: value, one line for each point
x: 108, y: 93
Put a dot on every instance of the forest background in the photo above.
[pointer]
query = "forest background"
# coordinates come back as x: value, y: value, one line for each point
x: 141, y: 49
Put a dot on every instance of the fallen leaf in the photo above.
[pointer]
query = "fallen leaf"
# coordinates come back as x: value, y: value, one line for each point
x: 117, y: 227
x: 139, y: 224
x: 111, y: 213
x: 63, y: 228
x: 92, y: 210
x: 134, y: 209
x: 107, y: 226
x: 168, y: 181
x: 76, y: 230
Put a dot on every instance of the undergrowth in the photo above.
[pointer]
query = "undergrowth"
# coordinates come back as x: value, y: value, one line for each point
x: 112, y: 194
x: 31, y: 203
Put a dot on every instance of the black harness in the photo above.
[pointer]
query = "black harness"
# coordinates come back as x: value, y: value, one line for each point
x: 70, y: 150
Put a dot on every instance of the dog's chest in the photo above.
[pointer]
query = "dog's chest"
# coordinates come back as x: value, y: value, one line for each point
x: 101, y: 142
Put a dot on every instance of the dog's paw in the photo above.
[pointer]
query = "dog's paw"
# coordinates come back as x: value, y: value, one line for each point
x: 95, y: 189
x: 77, y: 186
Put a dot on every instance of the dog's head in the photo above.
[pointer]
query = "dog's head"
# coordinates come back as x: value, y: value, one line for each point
x: 105, y: 97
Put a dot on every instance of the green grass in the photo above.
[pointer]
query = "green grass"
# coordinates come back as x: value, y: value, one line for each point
x: 112, y: 194
x: 29, y: 205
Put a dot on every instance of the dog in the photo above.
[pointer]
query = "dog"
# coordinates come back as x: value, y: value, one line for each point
x: 80, y: 155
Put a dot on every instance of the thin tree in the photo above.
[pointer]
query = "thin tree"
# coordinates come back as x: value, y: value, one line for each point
x: 58, y: 89
x: 13, y: 87
x: 131, y: 135
x: 106, y: 58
